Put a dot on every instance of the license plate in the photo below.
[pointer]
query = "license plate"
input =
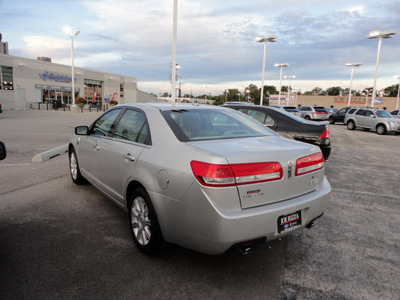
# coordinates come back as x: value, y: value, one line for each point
x: 289, y: 221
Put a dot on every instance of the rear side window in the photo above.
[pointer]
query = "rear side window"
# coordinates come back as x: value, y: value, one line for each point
x: 360, y: 112
x: 395, y: 112
x: 259, y: 116
x: 342, y: 111
x: 351, y: 111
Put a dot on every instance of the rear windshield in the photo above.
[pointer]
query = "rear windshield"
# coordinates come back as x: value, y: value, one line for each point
x: 320, y: 109
x: 212, y: 124
x: 290, y: 108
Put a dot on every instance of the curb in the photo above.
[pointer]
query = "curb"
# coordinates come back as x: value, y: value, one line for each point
x: 44, y: 156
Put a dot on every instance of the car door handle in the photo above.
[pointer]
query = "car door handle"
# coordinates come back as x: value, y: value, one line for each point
x: 129, y: 157
x: 96, y: 147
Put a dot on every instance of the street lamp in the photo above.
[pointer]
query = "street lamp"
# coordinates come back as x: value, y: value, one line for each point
x: 352, y: 65
x: 67, y: 30
x: 398, y: 91
x: 248, y: 94
x: 264, y: 39
x: 280, y: 79
x: 288, y: 78
x: 373, y: 35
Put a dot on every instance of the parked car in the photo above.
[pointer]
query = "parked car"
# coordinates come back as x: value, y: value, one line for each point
x: 372, y: 118
x: 338, y: 116
x: 3, y: 152
x: 395, y: 113
x: 314, y: 113
x: 1, y: 110
x: 290, y: 109
x: 290, y: 126
x: 204, y: 177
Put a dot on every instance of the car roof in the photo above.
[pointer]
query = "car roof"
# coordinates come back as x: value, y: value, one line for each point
x: 169, y: 106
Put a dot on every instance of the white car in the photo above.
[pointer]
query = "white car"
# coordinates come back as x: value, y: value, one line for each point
x: 204, y: 177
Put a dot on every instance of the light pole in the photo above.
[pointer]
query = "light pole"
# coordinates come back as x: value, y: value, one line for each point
x: 373, y: 35
x: 226, y: 96
x: 288, y: 78
x: 280, y: 79
x: 352, y: 65
x: 398, y: 92
x: 248, y: 95
x: 264, y: 39
x: 174, y: 37
x: 72, y: 65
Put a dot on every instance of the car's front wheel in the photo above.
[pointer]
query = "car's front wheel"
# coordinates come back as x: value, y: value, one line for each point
x: 381, y: 129
x: 143, y: 222
x: 351, y: 125
x: 74, y: 170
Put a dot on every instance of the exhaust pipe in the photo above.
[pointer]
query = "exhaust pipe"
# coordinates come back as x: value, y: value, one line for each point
x: 245, y: 250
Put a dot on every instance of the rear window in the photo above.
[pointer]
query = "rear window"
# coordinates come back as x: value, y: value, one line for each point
x: 212, y: 124
x: 320, y: 109
x: 289, y: 108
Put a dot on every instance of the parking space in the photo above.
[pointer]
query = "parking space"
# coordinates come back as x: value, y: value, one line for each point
x: 59, y: 240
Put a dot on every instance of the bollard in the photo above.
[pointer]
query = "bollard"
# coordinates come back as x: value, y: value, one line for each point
x: 47, y: 106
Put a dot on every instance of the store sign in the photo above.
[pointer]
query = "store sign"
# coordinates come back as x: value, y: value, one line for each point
x: 56, y: 77
x: 274, y: 99
x: 376, y: 101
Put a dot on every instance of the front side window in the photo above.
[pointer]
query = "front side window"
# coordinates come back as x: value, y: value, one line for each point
x: 342, y: 111
x: 206, y: 124
x: 104, y: 126
x: 132, y: 127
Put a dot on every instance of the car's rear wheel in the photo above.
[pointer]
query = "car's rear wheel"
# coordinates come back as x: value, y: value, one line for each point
x: 381, y: 129
x: 331, y: 121
x: 307, y: 118
x: 74, y: 170
x: 143, y: 222
x: 351, y: 125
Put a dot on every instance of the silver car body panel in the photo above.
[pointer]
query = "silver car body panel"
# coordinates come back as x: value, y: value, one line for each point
x: 203, y: 218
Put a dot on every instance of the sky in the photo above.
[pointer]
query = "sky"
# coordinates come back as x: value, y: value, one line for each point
x: 216, y: 47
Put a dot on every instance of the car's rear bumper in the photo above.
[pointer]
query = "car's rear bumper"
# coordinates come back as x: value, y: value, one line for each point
x: 213, y: 231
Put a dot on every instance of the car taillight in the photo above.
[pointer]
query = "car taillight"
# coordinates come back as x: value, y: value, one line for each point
x: 235, y: 174
x: 309, y: 163
x: 325, y: 134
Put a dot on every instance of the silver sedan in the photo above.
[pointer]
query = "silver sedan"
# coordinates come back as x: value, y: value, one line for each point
x: 204, y: 177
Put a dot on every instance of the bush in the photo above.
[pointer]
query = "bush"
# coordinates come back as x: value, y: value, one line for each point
x: 80, y: 101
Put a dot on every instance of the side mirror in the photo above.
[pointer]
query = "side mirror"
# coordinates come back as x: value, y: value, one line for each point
x: 81, y: 130
x: 3, y: 152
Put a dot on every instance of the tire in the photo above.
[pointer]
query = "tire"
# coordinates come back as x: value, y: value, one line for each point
x: 351, y: 125
x: 331, y: 121
x: 143, y: 223
x: 307, y: 118
x: 74, y: 170
x: 381, y: 129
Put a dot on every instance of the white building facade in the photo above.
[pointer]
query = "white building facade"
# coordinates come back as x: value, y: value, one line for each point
x: 29, y: 83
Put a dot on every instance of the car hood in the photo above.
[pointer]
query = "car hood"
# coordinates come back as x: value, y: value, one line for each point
x: 267, y: 149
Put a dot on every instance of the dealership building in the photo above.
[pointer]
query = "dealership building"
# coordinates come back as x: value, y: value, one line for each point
x: 30, y: 83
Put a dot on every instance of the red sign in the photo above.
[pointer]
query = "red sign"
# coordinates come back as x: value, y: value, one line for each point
x: 94, y: 95
x: 115, y: 96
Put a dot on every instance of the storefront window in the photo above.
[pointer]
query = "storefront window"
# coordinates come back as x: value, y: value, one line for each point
x: 6, y: 78
x: 93, y: 91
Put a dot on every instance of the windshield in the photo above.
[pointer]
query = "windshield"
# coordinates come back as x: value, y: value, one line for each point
x: 383, y: 114
x: 212, y: 124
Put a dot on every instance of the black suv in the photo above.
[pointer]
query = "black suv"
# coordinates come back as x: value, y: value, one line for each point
x: 338, y: 116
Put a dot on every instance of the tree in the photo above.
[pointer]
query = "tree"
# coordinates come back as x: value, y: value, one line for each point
x: 334, y: 91
x: 391, y: 91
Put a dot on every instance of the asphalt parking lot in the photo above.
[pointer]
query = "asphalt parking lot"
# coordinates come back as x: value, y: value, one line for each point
x: 62, y: 241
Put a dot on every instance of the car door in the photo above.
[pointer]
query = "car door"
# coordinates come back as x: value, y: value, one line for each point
x: 118, y: 155
x: 360, y: 117
x: 88, y: 146
x: 369, y: 119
